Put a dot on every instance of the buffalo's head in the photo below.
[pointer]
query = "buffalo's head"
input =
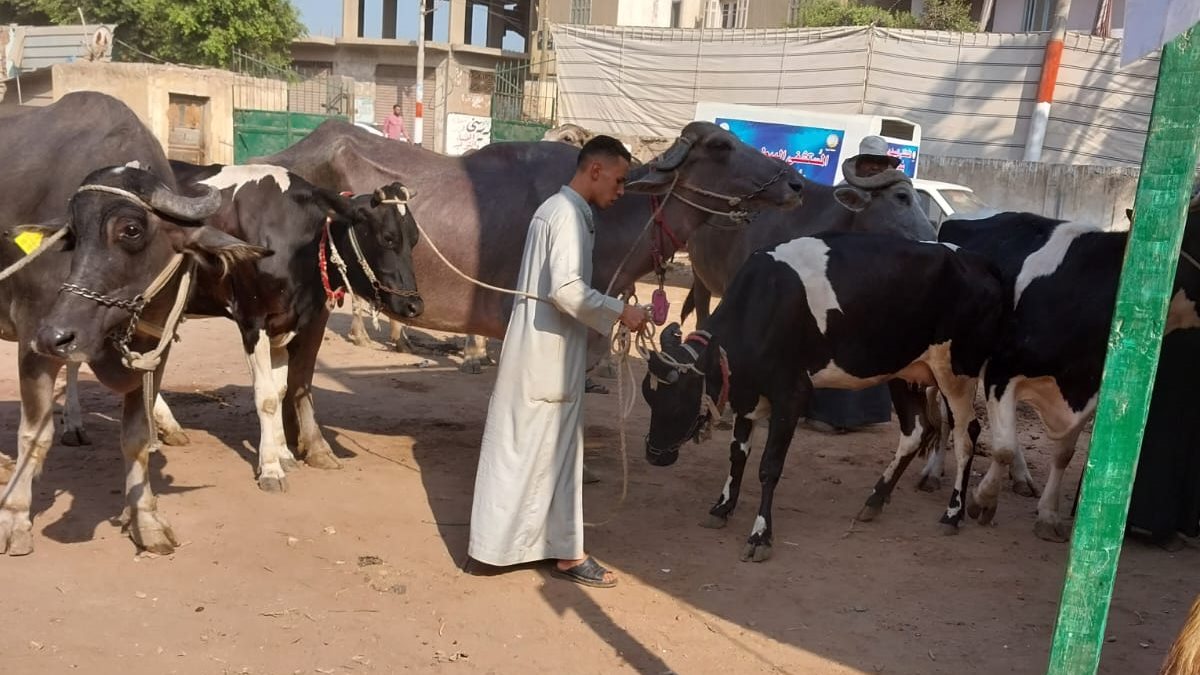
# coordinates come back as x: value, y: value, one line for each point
x: 711, y: 167
x: 376, y: 233
x: 126, y: 228
x: 683, y: 385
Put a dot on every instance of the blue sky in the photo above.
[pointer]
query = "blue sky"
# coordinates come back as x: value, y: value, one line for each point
x: 324, y: 17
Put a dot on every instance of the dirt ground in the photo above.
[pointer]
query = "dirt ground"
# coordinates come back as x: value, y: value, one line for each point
x: 358, y: 570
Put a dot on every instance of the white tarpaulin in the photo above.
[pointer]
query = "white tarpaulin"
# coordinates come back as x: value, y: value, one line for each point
x: 972, y: 93
x: 1150, y: 24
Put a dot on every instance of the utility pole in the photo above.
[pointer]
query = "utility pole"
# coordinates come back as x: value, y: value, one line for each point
x: 1045, y: 94
x: 419, y: 116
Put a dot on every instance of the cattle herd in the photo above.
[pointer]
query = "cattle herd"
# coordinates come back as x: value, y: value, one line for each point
x: 106, y: 244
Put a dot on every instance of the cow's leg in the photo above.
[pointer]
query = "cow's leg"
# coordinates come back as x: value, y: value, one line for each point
x: 785, y: 415
x: 170, y: 431
x: 398, y: 337
x: 959, y: 393
x: 272, y: 443
x: 916, y: 432
x: 939, y: 416
x: 701, y: 297
x: 148, y: 529
x: 34, y: 437
x: 299, y: 417
x: 475, y: 355
x: 358, y: 330
x: 739, y: 452
x: 1049, y: 524
x: 73, y: 434
x: 1002, y: 416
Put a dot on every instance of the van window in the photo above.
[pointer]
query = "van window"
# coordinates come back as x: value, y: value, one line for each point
x: 898, y: 129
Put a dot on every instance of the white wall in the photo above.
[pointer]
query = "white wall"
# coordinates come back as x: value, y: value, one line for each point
x: 644, y: 13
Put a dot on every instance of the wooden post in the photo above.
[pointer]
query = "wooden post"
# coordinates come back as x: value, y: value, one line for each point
x: 1168, y: 169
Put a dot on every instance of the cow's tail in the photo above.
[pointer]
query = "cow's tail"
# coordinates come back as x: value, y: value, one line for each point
x: 689, y: 304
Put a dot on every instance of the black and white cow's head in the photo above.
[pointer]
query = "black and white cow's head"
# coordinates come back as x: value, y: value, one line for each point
x: 126, y: 228
x: 686, y: 386
x: 382, y: 230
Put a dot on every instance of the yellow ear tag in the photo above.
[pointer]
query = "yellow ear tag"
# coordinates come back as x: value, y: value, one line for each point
x: 28, y: 241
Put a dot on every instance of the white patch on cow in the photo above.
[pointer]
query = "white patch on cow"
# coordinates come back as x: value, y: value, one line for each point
x: 1044, y: 261
x: 921, y: 371
x: 760, y: 525
x: 725, y: 491
x: 283, y: 340
x: 239, y: 175
x: 761, y: 411
x: 952, y: 247
x: 1181, y: 313
x: 832, y: 376
x: 810, y: 259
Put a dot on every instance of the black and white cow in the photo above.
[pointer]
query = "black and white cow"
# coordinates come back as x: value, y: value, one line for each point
x: 838, y: 310
x: 280, y: 301
x: 1062, y: 278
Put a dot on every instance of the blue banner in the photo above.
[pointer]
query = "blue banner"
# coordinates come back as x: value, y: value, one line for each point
x: 812, y: 151
x: 907, y: 154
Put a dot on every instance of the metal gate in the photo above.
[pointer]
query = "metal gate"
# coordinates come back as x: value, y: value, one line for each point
x: 275, y: 107
x: 524, y: 103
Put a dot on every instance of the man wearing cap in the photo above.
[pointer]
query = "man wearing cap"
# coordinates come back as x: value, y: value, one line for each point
x: 842, y: 410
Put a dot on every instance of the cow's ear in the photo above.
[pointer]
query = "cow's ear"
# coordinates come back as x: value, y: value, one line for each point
x: 852, y: 198
x: 29, y: 237
x: 213, y: 246
x: 648, y: 180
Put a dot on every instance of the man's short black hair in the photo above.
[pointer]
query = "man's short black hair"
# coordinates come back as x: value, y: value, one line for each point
x: 602, y: 146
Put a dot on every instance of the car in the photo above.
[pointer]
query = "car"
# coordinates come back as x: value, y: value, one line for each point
x: 942, y: 201
x: 369, y: 127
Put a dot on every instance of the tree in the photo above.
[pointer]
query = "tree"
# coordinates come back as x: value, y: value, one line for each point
x: 199, y: 32
x: 949, y: 15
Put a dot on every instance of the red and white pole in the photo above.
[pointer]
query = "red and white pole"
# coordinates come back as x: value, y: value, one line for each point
x: 419, y: 115
x: 1045, y: 95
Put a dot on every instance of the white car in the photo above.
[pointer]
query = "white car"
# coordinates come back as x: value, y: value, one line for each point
x: 942, y: 201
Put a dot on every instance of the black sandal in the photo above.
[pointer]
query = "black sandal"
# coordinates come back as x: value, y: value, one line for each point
x: 589, y: 573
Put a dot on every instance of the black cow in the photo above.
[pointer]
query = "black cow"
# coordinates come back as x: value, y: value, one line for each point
x: 49, y: 153
x: 837, y: 310
x: 280, y: 303
x: 1063, y: 279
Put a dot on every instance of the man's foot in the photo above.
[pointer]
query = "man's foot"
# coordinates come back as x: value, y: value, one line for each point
x: 592, y: 387
x: 585, y: 571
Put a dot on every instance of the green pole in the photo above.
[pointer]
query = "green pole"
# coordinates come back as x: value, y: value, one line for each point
x: 1168, y: 168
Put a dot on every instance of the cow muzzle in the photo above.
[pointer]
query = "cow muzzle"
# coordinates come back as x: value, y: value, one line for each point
x: 661, y: 457
x: 58, y: 342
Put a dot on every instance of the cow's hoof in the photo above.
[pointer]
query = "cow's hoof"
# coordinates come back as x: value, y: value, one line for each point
x: 175, y: 438
x: 74, y: 438
x: 973, y: 507
x: 151, y: 532
x: 471, y: 367
x: 929, y: 483
x: 756, y: 552
x: 289, y: 463
x: 723, y: 425
x: 986, y: 515
x: 1051, y: 531
x: 714, y: 522
x: 322, y: 460
x: 1025, y: 488
x: 869, y: 513
x: 16, y: 534
x: 269, y: 483
x: 361, y: 341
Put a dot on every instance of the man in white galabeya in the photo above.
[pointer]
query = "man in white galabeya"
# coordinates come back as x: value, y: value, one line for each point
x: 528, y: 503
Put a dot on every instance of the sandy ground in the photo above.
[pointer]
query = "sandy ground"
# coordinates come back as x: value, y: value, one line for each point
x: 357, y: 570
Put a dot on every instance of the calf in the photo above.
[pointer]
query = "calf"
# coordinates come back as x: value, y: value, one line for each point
x: 1063, y: 279
x: 281, y: 303
x: 837, y: 310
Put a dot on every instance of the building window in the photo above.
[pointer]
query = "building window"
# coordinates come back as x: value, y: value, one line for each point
x: 581, y: 11
x: 676, y: 9
x: 733, y: 13
x: 1037, y: 15
x: 794, y: 12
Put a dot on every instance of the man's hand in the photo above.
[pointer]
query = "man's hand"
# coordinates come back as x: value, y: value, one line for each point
x: 634, y: 317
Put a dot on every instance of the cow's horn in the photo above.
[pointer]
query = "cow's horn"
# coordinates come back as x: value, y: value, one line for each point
x: 186, y: 208
x: 674, y: 156
x: 408, y: 194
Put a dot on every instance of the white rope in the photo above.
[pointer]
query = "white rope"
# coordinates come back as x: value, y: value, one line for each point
x: 42, y: 248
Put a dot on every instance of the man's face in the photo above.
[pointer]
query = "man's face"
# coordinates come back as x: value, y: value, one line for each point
x: 395, y: 110
x: 607, y: 176
x: 869, y: 166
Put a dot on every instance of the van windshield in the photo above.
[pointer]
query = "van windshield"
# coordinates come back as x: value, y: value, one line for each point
x: 962, y: 201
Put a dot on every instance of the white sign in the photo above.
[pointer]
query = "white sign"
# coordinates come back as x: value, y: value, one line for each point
x: 1150, y: 24
x: 467, y: 132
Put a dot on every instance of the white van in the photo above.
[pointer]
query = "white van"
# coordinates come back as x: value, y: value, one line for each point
x: 816, y: 144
